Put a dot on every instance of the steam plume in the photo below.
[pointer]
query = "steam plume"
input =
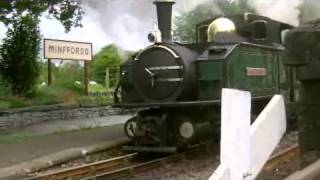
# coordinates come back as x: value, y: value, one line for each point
x: 281, y: 10
x: 292, y: 12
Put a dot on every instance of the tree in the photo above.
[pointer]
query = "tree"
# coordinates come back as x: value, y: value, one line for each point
x: 185, y: 22
x: 20, y: 48
x: 19, y: 52
x: 107, y: 57
x: 68, y: 12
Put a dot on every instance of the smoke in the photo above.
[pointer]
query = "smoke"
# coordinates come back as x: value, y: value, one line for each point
x: 310, y: 10
x: 292, y: 12
x: 187, y: 5
x: 91, y: 32
x: 127, y: 22
x: 281, y: 10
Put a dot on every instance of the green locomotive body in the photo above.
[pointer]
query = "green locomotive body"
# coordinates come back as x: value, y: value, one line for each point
x: 258, y: 69
x: 177, y: 87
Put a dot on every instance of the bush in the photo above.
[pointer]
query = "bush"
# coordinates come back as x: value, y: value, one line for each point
x: 94, y: 100
x: 5, y: 89
x: 107, y: 57
x: 19, y: 52
x: 46, y: 96
x: 16, y: 102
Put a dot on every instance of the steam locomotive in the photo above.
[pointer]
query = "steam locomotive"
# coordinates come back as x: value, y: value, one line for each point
x: 177, y: 87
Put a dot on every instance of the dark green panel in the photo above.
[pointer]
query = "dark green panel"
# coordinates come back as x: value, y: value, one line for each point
x: 209, y: 90
x: 253, y: 57
x: 210, y: 71
x: 210, y: 75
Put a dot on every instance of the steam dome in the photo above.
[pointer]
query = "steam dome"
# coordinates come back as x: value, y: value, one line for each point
x: 220, y: 25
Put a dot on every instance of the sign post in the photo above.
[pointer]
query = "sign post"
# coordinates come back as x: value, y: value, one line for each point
x: 86, y: 78
x: 68, y: 50
x: 49, y: 73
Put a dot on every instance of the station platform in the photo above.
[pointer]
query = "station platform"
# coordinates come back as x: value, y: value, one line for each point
x: 43, y: 139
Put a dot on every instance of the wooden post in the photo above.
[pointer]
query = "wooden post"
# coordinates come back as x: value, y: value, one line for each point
x: 107, y: 79
x: 86, y: 78
x: 49, y: 72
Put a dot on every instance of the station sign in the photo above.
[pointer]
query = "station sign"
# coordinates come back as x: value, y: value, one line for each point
x: 67, y: 50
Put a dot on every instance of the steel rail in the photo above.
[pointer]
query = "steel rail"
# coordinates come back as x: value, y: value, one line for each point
x: 88, y: 169
x: 144, y: 166
x: 129, y: 170
x: 311, y: 172
x: 122, y: 166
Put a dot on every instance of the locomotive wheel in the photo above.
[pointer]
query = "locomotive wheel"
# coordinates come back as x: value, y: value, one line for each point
x: 130, y: 128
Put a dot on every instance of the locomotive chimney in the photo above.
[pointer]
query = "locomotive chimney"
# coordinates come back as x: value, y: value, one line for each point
x: 164, y: 12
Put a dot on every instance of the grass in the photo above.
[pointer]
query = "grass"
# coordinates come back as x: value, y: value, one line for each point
x: 15, y: 137
x: 66, y: 92
x: 98, y: 95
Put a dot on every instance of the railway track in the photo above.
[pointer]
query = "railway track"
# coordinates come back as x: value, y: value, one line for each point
x: 131, y: 164
x: 88, y: 170
x: 122, y: 166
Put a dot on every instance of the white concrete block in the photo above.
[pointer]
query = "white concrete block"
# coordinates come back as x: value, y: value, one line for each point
x: 266, y: 133
x: 245, y: 149
x: 222, y: 173
x: 235, y: 132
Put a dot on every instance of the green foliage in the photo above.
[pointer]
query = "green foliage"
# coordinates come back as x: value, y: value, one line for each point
x: 19, y: 53
x: 21, y: 46
x: 70, y: 69
x: 5, y: 89
x: 14, y: 137
x: 68, y: 12
x: 107, y: 57
x: 185, y: 22
x: 74, y: 72
x: 49, y: 95
x: 16, y: 102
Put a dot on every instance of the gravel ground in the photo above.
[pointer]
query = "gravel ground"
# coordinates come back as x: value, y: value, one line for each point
x: 285, y: 168
x: 200, y: 167
x: 196, y: 167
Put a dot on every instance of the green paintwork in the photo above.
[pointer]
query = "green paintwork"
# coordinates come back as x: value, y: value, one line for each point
x: 210, y: 79
x: 211, y: 71
x: 215, y: 74
x: 253, y: 57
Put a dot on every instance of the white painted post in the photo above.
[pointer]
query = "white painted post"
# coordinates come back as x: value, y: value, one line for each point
x: 266, y: 133
x: 235, y: 134
x: 245, y: 149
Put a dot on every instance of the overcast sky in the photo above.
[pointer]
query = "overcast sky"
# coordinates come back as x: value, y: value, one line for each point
x: 123, y: 22
x: 127, y: 22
